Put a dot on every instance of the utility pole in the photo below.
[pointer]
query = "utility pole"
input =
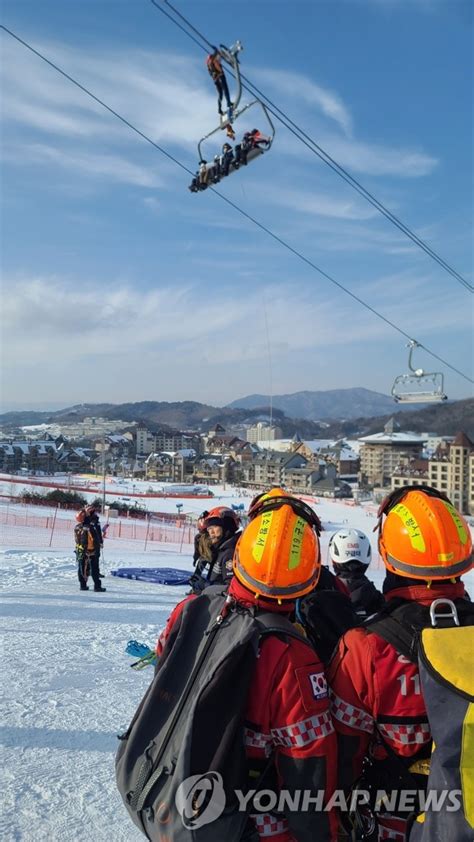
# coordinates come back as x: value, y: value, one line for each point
x: 103, y: 476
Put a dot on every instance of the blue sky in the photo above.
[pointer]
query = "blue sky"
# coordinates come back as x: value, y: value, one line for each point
x: 120, y: 285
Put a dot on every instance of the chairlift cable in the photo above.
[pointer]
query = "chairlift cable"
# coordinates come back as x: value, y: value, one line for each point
x: 96, y: 98
x: 270, y: 366
x: 318, y: 150
x: 232, y: 204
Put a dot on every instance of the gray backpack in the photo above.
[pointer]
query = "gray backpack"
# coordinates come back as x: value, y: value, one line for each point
x: 183, y: 755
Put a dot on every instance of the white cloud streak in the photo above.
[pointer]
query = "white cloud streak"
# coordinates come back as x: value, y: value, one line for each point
x: 97, y: 166
x: 299, y: 87
x: 165, y: 94
x: 46, y: 319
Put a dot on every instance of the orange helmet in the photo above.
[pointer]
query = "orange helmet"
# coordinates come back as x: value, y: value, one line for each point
x: 264, y: 495
x: 80, y: 516
x: 278, y: 555
x: 423, y: 536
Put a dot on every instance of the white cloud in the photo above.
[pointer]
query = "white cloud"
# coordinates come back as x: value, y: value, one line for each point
x: 160, y: 92
x: 119, y: 342
x: 46, y: 317
x: 165, y: 94
x: 378, y: 159
x: 300, y: 87
x: 106, y: 166
x: 316, y: 203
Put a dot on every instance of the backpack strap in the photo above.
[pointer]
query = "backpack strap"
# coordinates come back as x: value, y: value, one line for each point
x: 401, y: 624
x: 280, y: 626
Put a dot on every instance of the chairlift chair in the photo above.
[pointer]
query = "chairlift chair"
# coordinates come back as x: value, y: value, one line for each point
x: 230, y: 55
x: 418, y: 386
x: 253, y: 153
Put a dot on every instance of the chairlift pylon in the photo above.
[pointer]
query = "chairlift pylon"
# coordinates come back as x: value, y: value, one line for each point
x: 418, y: 386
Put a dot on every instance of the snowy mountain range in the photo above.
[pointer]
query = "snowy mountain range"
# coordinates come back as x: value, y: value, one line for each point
x: 321, y: 405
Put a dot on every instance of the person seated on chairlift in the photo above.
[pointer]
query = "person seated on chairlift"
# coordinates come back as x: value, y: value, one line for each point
x: 201, y: 178
x: 251, y: 140
x: 226, y: 159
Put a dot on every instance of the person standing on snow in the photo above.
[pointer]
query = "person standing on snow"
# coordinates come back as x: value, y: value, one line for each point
x: 87, y: 550
x: 98, y: 540
x: 384, y: 736
x: 222, y: 526
x: 83, y: 543
x: 325, y: 611
x: 288, y: 729
x: 350, y: 553
x: 201, y: 540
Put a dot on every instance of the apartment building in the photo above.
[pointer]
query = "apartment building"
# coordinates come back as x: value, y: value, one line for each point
x: 158, y: 441
x: 450, y: 470
x: 381, y: 453
x: 263, y: 432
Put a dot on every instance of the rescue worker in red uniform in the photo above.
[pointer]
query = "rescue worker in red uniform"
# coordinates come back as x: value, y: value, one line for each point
x: 287, y: 716
x: 384, y: 739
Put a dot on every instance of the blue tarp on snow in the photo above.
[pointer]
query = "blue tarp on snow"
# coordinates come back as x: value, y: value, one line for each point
x: 158, y: 575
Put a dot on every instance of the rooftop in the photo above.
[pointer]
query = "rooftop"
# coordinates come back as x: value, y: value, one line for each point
x: 393, y: 438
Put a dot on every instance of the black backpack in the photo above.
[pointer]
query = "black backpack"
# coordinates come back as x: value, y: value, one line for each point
x: 183, y: 755
x: 326, y: 614
x: 401, y: 623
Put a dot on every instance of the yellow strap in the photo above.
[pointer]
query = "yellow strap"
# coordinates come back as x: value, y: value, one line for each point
x: 450, y: 652
x: 467, y: 765
x: 299, y: 628
x: 420, y: 767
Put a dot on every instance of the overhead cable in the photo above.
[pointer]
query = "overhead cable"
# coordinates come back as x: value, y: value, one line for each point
x: 318, y: 150
x: 232, y: 204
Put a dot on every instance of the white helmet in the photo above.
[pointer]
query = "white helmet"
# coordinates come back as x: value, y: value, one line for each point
x: 349, y: 545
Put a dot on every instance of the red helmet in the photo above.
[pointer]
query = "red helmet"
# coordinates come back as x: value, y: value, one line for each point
x: 81, y: 516
x: 224, y: 517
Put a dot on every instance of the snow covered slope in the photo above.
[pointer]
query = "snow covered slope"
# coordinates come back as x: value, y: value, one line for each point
x: 68, y: 688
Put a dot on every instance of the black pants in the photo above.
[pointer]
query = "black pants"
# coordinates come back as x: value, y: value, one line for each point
x: 94, y: 565
x: 226, y: 162
x: 222, y: 90
x: 88, y: 565
x: 241, y: 151
x: 82, y: 568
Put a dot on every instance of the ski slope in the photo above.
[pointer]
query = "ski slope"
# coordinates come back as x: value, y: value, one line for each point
x: 68, y: 688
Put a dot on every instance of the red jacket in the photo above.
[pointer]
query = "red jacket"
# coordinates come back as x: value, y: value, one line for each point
x: 375, y: 690
x: 288, y: 714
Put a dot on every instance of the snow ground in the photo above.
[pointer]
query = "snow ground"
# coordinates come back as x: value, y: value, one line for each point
x: 68, y: 688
